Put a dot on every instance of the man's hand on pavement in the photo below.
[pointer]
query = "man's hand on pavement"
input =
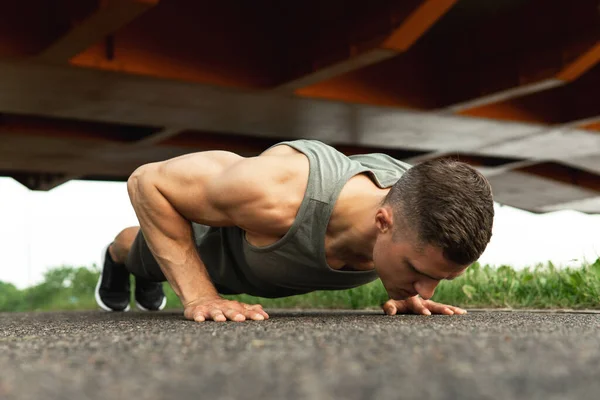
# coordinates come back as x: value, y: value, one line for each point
x: 220, y: 310
x: 416, y: 305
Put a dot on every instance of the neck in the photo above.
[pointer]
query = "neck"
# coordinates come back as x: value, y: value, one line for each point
x: 353, y: 230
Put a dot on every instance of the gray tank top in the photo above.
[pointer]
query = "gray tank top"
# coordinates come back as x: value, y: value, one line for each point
x: 296, y: 263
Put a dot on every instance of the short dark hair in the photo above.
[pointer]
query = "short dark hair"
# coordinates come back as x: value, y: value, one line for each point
x: 448, y: 204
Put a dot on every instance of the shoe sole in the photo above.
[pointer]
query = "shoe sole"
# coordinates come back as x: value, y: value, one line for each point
x: 162, y: 305
x: 97, y: 291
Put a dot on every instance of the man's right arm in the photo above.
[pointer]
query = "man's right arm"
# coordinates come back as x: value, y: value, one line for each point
x: 166, y: 196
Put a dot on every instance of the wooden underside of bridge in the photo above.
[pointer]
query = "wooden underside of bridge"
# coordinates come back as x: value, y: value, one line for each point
x: 91, y: 89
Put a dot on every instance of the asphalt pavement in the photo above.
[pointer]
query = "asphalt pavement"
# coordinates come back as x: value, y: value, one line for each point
x: 300, y: 355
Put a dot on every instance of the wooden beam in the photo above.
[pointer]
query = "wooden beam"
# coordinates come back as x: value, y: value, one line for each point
x: 400, y: 40
x: 586, y: 61
x: 160, y: 136
x: 154, y: 138
x: 564, y: 174
x: 581, y: 64
x: 566, y: 104
x: 67, y: 156
x: 110, y: 16
x: 417, y: 24
x: 471, y: 158
x: 362, y: 60
x: 84, y: 94
x: 592, y: 126
x: 426, y: 157
x: 505, y: 95
x: 591, y: 123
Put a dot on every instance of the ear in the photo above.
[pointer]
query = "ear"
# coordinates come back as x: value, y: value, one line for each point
x: 384, y: 220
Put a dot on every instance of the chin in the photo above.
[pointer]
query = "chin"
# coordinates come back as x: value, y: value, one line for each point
x: 402, y: 295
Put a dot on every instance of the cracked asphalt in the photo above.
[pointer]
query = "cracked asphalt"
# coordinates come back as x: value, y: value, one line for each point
x: 300, y: 355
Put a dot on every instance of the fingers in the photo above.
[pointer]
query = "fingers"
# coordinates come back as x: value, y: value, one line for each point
x: 225, y: 310
x: 417, y: 305
x: 234, y: 315
x: 199, y: 316
x: 457, y: 310
x: 393, y: 307
x: 257, y: 312
x: 217, y: 315
x: 390, y: 307
x: 439, y: 308
x: 251, y: 313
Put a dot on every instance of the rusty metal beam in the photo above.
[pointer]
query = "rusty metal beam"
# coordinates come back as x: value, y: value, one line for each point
x: 590, y: 123
x: 367, y: 58
x: 85, y: 94
x: 70, y: 143
x: 152, y: 139
x: 158, y: 137
x: 505, y: 95
x: 469, y: 158
x: 582, y: 64
x: 48, y: 161
x: 417, y: 24
x: 592, y: 126
x: 565, y: 174
x: 530, y: 191
x: 74, y: 128
x: 562, y: 46
x: 110, y: 16
x: 399, y: 40
x: 487, y: 164
x: 563, y: 104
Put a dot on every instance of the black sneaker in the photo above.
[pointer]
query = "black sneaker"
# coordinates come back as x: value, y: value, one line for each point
x: 149, y: 296
x: 112, y: 290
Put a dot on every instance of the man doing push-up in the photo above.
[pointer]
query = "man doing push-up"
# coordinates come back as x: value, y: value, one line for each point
x: 299, y: 217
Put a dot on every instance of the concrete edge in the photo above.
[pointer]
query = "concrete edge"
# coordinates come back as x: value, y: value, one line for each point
x: 539, y: 311
x: 469, y: 310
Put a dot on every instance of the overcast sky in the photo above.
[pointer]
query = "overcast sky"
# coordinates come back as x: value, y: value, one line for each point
x: 71, y: 224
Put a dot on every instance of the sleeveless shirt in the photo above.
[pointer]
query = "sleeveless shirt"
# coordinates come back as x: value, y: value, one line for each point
x: 296, y: 263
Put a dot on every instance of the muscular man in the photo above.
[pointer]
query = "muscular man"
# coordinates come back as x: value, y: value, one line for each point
x: 299, y: 217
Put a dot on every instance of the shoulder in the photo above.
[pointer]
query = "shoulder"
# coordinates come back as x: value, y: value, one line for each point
x: 381, y: 160
x: 311, y: 148
x: 266, y: 172
x: 262, y: 194
x: 385, y: 169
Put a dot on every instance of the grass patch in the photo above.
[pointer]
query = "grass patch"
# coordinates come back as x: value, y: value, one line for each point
x: 541, y: 286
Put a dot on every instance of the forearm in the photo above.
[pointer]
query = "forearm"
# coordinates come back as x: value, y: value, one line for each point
x: 170, y: 239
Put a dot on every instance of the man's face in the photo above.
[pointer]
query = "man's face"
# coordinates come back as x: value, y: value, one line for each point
x: 406, y: 270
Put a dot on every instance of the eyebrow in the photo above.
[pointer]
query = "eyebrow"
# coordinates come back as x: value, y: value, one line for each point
x: 411, y: 266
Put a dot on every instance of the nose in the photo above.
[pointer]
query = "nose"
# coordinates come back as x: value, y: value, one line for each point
x: 426, y: 288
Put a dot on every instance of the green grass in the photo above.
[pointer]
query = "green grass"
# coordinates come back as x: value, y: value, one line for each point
x: 542, y: 286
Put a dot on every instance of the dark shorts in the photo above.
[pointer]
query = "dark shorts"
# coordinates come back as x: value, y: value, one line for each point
x: 141, y: 262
